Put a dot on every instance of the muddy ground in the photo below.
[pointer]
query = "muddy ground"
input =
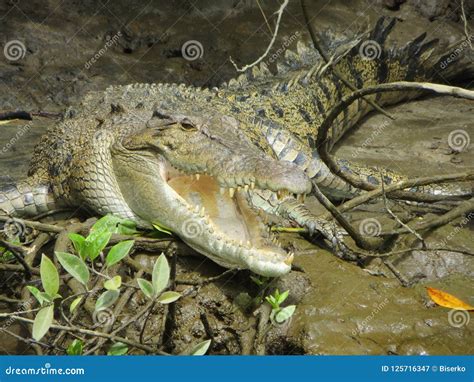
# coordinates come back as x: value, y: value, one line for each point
x: 342, y: 308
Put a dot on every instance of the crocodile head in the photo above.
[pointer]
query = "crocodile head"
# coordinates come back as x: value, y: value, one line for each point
x: 194, y: 175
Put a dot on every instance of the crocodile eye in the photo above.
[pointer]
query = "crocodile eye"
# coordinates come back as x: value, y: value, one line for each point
x: 188, y: 126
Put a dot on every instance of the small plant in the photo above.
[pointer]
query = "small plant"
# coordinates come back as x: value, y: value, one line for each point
x: 50, y: 282
x: 118, y: 348
x: 280, y: 315
x: 76, y: 347
x: 159, y: 281
x: 87, y: 250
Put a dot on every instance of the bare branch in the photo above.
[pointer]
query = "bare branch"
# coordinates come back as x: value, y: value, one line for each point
x: 269, y: 47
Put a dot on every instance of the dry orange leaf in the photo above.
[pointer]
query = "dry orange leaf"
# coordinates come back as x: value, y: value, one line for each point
x: 447, y: 300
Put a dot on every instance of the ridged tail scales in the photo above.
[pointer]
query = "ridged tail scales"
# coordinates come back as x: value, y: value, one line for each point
x: 371, y: 62
x: 26, y: 199
x: 289, y: 114
x: 417, y: 61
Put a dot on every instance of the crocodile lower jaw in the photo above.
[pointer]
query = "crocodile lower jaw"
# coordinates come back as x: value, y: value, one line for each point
x: 224, y: 227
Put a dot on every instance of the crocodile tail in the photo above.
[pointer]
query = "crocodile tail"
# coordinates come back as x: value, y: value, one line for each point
x: 370, y: 63
x: 26, y: 199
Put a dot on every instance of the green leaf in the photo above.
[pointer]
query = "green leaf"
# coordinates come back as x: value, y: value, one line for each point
x: 78, y: 241
x: 118, y: 348
x: 49, y: 276
x: 201, y: 348
x: 75, y: 266
x: 114, y: 283
x: 46, y: 297
x: 146, y: 287
x: 285, y: 314
x: 282, y: 297
x: 74, y: 304
x: 259, y: 280
x: 160, y: 228
x: 161, y: 275
x: 168, y: 297
x: 75, y: 347
x: 95, y: 244
x: 36, y: 293
x: 126, y: 227
x: 114, y: 224
x: 272, y: 301
x: 118, y: 252
x: 106, y: 299
x: 43, y: 321
x: 106, y: 223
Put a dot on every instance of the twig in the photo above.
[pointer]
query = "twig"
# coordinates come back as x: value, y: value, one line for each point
x: 464, y: 208
x: 396, y: 272
x: 119, y: 306
x: 18, y: 252
x: 9, y: 300
x: 94, y: 333
x: 466, y: 29
x: 397, y: 219
x: 28, y: 341
x: 208, y: 280
x: 17, y: 268
x: 36, y: 225
x: 422, y: 181
x: 269, y: 47
x: 363, y: 242
x: 322, y: 140
x: 169, y: 320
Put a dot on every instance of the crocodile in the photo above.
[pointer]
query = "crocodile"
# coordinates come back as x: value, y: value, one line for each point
x: 210, y: 164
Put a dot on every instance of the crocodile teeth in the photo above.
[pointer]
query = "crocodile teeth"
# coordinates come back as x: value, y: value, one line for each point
x: 198, y: 176
x: 301, y: 198
x: 231, y: 192
x: 252, y: 185
x: 246, y: 187
x: 196, y: 209
x: 202, y: 212
x: 289, y: 259
x: 249, y: 244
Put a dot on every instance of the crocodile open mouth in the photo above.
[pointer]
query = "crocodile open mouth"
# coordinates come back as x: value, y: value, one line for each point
x: 223, y: 226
